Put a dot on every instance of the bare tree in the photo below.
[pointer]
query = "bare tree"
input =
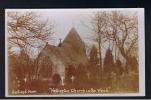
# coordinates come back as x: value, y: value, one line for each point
x: 124, y: 32
x: 98, y: 28
x: 120, y: 29
x: 26, y: 29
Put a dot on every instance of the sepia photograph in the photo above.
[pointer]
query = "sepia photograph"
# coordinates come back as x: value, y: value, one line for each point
x: 74, y: 52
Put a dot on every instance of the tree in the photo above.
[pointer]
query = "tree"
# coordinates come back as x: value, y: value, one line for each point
x: 24, y: 28
x: 12, y: 79
x: 108, y: 61
x: 92, y: 73
x: 118, y: 67
x: 133, y: 64
x: 94, y: 55
x: 26, y: 31
x: 119, y: 27
x: 20, y: 69
x: 98, y: 28
x: 108, y: 66
x: 56, y: 79
x: 124, y: 33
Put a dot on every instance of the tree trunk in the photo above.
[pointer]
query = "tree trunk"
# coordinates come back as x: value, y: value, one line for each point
x: 126, y: 58
x: 100, y: 62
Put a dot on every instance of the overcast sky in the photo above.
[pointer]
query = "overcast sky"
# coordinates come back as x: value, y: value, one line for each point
x: 65, y: 19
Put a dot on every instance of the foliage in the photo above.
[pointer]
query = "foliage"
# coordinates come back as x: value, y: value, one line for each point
x: 56, y: 79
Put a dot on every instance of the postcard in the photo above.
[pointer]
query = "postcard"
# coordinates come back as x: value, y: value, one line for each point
x: 74, y: 52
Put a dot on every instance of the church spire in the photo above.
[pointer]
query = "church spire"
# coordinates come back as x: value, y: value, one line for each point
x: 72, y: 35
x: 73, y: 38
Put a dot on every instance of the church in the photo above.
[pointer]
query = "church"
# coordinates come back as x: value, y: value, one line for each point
x: 54, y: 59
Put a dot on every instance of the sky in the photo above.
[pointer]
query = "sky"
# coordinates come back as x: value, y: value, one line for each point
x: 65, y: 19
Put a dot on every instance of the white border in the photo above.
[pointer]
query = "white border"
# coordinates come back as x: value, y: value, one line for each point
x: 141, y: 34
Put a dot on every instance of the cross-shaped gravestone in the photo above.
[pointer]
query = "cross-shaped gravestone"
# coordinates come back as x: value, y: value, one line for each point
x: 62, y: 80
x: 25, y: 79
x: 72, y: 78
x: 88, y: 74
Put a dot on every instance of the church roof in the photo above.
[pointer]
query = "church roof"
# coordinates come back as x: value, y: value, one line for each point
x: 72, y: 51
x: 72, y: 36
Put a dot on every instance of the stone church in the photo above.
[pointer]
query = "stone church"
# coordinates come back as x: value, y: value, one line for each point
x: 54, y: 59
